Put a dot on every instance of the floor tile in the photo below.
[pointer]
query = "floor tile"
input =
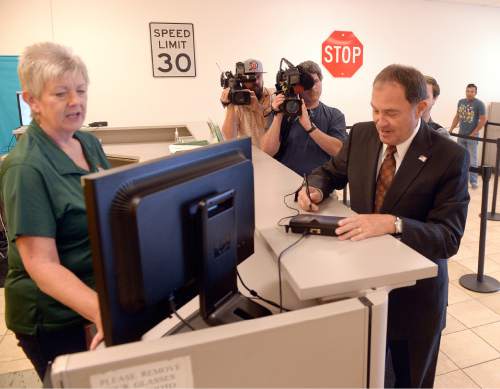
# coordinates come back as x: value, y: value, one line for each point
x: 453, y: 325
x: 456, y: 270
x: 468, y: 240
x: 454, y: 379
x: 472, y: 313
x: 465, y: 349
x: 20, y: 379
x: 2, y: 302
x: 17, y: 365
x: 471, y: 236
x: 492, y: 248
x: 493, y: 230
x: 470, y: 293
x: 496, y: 275
x: 495, y: 257
x: 466, y: 251
x: 487, y: 375
x: 9, y: 351
x: 490, y: 333
x: 444, y: 364
x: 3, y: 326
x: 456, y: 294
x: 472, y: 265
x: 492, y: 301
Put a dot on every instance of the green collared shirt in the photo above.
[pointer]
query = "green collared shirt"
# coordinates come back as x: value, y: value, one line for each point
x: 42, y: 195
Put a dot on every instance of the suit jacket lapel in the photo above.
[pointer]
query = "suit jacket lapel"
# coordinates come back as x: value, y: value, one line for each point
x: 416, y: 156
x: 371, y: 155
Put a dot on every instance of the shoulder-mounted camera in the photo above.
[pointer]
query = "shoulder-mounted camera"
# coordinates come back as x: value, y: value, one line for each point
x: 291, y: 82
x: 238, y: 94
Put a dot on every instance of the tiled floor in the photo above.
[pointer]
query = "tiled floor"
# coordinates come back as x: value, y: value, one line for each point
x: 470, y: 346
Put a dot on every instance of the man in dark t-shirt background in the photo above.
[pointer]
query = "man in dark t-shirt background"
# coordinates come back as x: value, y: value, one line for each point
x: 471, y: 113
x: 305, y: 142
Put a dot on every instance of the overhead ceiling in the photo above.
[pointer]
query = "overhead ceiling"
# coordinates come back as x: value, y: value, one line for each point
x: 484, y: 3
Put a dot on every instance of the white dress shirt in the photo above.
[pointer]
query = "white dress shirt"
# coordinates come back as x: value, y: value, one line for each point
x: 400, y: 153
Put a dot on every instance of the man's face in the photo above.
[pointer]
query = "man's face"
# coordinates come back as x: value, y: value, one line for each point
x: 257, y: 86
x: 430, y: 100
x: 312, y: 95
x: 470, y: 93
x: 394, y: 117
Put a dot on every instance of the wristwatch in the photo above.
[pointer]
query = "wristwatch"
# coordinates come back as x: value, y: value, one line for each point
x: 398, y: 224
x: 312, y: 129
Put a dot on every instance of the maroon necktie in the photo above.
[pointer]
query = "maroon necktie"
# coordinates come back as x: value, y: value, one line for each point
x: 385, y: 176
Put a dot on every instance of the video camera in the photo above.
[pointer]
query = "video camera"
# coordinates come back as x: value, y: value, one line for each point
x: 237, y: 94
x: 292, y: 82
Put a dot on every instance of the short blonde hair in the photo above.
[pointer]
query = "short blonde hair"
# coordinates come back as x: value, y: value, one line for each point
x: 47, y: 61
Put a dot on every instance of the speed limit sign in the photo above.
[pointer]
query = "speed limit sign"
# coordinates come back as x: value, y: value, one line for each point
x: 172, y: 49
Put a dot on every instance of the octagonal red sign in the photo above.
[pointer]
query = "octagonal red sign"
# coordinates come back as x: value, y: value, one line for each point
x: 342, y: 54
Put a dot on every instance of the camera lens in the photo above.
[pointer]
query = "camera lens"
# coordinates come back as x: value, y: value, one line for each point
x: 292, y: 106
x: 241, y: 97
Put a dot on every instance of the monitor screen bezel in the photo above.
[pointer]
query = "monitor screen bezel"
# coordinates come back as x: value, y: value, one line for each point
x: 20, y: 101
x: 96, y: 184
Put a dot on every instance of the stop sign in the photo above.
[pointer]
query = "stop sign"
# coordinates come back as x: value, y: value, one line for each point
x: 342, y: 54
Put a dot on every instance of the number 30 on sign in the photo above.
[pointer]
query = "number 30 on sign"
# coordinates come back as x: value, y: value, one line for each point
x: 172, y: 49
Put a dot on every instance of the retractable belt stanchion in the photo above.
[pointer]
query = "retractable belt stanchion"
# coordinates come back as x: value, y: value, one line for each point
x: 490, y: 215
x: 493, y: 215
x: 480, y: 282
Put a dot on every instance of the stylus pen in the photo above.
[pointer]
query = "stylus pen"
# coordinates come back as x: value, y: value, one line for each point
x: 307, y: 191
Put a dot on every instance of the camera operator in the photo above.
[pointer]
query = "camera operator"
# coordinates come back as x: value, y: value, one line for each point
x: 305, y: 142
x: 252, y: 119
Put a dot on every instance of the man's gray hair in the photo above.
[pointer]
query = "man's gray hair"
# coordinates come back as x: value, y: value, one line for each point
x: 46, y: 61
x: 412, y: 81
x: 312, y: 68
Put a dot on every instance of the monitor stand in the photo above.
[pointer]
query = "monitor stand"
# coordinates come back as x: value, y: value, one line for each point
x: 236, y: 308
x: 220, y: 300
x: 195, y: 320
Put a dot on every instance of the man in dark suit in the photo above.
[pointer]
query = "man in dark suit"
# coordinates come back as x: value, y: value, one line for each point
x: 406, y: 180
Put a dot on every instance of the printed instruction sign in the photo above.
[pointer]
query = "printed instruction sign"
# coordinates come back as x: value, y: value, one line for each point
x: 173, y: 373
x: 172, y: 49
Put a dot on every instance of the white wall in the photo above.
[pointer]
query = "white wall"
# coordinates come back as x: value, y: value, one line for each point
x: 455, y: 43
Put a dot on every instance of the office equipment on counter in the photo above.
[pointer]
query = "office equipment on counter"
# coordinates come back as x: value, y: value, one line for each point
x: 314, y: 224
x: 150, y: 250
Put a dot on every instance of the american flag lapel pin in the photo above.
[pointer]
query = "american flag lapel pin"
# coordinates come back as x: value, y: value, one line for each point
x: 423, y: 158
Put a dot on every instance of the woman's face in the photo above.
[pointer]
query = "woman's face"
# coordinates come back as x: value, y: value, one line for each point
x: 62, y: 104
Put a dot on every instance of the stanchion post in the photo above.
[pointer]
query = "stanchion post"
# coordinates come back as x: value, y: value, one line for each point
x: 485, y: 136
x: 486, y: 174
x: 479, y: 282
x: 493, y: 215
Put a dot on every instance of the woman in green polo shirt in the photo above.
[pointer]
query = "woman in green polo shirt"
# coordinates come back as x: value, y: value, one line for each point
x: 49, y: 286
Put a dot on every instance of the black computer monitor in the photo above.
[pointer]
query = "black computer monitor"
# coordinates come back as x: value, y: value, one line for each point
x: 23, y: 109
x: 166, y: 230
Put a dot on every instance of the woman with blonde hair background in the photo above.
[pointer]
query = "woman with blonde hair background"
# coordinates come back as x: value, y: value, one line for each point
x: 49, y: 285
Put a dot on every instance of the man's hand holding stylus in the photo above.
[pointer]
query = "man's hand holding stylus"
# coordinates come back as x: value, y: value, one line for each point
x: 316, y: 197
